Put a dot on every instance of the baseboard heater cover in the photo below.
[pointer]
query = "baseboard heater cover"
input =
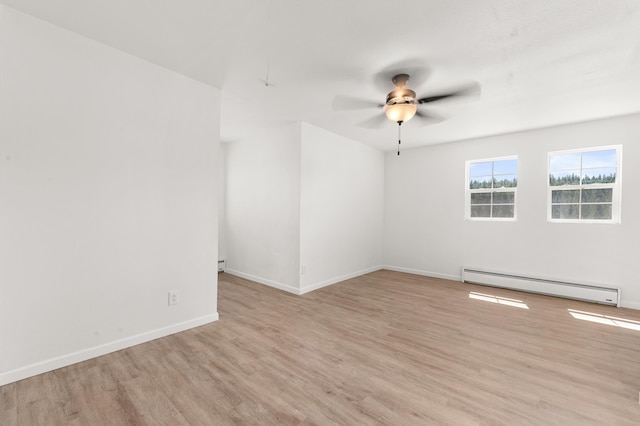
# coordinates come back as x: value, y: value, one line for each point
x: 584, y: 292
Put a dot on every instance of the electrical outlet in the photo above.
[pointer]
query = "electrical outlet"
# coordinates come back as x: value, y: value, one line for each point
x: 303, y: 269
x: 173, y: 298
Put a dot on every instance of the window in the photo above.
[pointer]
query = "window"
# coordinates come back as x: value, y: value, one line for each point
x: 584, y: 185
x: 491, y: 189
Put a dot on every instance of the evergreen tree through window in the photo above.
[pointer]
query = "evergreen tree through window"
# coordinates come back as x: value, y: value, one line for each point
x: 584, y: 185
x: 491, y: 189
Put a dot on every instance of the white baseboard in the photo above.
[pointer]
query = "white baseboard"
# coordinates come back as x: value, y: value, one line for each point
x: 307, y: 289
x: 270, y: 283
x: 96, y: 351
x: 423, y: 273
x: 325, y: 283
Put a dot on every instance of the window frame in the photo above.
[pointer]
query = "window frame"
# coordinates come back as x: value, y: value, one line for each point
x: 469, y: 191
x: 616, y: 202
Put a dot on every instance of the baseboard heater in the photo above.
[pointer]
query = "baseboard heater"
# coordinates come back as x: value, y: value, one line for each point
x: 589, y: 293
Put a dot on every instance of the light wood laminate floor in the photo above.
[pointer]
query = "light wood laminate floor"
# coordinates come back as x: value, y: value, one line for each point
x: 384, y: 348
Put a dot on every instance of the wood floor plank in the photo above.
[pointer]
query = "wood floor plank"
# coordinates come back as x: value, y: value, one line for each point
x: 8, y: 404
x: 384, y: 348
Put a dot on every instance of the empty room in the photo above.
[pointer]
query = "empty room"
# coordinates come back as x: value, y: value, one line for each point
x: 284, y: 212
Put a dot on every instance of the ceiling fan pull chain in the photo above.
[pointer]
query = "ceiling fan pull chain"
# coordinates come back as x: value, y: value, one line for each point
x: 399, y: 135
x: 267, y: 82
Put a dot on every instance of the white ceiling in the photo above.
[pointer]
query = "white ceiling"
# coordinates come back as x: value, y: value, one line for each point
x: 539, y: 63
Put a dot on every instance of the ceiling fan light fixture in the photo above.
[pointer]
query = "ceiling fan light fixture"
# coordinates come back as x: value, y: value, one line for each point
x: 400, y: 112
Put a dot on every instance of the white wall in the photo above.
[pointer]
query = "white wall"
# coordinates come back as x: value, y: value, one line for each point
x: 341, y: 208
x: 425, y: 230
x: 263, y: 207
x: 107, y: 198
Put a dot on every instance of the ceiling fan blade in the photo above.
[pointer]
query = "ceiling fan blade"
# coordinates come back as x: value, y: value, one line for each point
x: 436, y: 98
x: 468, y: 90
x: 418, y: 74
x: 346, y: 103
x: 374, y: 122
x: 426, y: 118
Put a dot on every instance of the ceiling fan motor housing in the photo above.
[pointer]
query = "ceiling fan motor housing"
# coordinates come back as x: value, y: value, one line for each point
x: 401, y: 96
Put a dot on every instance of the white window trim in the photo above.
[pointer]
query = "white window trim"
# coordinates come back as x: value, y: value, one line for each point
x: 616, y: 203
x: 468, y: 191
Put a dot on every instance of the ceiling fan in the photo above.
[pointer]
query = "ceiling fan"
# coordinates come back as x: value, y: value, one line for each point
x: 402, y: 103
